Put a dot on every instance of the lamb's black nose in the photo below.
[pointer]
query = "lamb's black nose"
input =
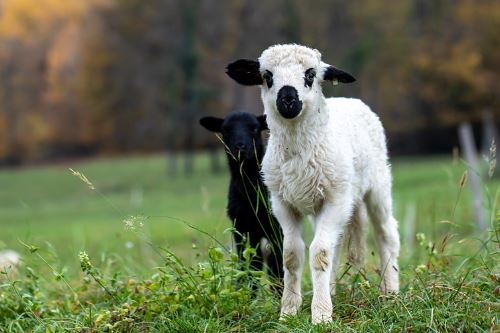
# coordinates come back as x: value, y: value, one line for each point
x: 288, y: 103
x: 288, y: 100
x: 240, y: 146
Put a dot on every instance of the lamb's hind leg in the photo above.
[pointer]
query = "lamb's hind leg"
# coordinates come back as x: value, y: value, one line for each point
x: 379, y: 204
x: 335, y: 267
x: 355, y: 239
x: 293, y: 256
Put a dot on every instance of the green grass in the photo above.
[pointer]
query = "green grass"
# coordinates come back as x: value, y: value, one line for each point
x: 50, y: 204
x: 169, y: 276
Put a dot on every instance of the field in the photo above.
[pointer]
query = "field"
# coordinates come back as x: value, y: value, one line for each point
x: 158, y: 258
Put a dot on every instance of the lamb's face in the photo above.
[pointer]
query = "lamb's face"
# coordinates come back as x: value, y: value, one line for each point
x: 290, y: 77
x: 291, y: 83
x: 241, y: 133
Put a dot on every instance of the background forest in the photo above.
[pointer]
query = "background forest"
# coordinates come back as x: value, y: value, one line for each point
x: 81, y: 78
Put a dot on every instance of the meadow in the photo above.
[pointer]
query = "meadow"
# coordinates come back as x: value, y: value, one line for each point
x: 116, y: 245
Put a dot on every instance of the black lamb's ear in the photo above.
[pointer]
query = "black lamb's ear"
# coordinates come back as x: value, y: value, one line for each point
x: 334, y: 74
x: 213, y: 124
x: 262, y: 122
x: 245, y: 72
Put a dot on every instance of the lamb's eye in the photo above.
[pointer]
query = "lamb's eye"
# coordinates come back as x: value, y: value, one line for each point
x: 309, y: 76
x: 268, y: 77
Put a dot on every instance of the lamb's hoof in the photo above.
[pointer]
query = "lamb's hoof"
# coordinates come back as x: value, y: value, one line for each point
x: 389, y: 292
x: 285, y: 316
x: 389, y: 288
x: 290, y: 309
x: 288, y: 312
x: 321, y: 318
x: 321, y: 313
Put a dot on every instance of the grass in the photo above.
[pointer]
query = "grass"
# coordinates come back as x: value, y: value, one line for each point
x: 168, y: 276
x: 50, y: 204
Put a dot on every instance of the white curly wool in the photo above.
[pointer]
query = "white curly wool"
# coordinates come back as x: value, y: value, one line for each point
x: 329, y: 162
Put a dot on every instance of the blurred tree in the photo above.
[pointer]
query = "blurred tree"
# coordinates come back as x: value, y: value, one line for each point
x: 188, y: 61
x: 129, y: 75
x: 30, y: 38
x: 8, y: 117
x: 291, y: 29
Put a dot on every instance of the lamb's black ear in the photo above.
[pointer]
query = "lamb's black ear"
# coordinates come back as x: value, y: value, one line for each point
x: 262, y: 122
x: 213, y: 124
x: 245, y: 72
x: 334, y: 74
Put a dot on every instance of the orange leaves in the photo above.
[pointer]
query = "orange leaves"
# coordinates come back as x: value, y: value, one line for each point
x: 28, y: 20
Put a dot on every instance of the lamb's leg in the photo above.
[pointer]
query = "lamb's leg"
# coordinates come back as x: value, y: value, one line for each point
x: 379, y: 204
x: 325, y: 248
x: 274, y: 257
x: 254, y: 242
x: 293, y: 256
x: 256, y: 262
x: 335, y: 267
x: 275, y: 260
x: 238, y: 241
x: 356, y: 237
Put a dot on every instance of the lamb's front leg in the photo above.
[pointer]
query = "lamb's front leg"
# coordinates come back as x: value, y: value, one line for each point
x: 293, y: 255
x: 323, y: 253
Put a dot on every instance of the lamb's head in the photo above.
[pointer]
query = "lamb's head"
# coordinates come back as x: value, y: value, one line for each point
x: 290, y: 77
x: 241, y: 133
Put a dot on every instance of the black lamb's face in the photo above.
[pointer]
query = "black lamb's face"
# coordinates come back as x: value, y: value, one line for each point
x: 241, y: 133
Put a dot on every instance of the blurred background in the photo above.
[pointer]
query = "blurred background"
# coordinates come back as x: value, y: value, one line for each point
x: 94, y: 77
x: 82, y: 80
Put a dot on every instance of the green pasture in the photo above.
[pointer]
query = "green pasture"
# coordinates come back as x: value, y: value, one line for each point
x: 50, y: 204
x: 156, y: 255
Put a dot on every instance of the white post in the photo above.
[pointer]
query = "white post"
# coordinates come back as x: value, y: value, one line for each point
x: 469, y: 152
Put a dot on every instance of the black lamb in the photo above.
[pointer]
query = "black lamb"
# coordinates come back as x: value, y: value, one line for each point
x: 248, y: 196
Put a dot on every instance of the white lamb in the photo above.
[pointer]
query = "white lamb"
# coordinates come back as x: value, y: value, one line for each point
x: 326, y: 157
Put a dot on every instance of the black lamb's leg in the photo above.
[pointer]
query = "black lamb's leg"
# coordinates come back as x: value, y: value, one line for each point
x: 241, y: 241
x: 238, y: 241
x: 275, y: 260
x: 256, y: 263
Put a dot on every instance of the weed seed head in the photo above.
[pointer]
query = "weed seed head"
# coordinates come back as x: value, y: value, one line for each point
x: 82, y: 178
x: 133, y: 222
x: 85, y: 263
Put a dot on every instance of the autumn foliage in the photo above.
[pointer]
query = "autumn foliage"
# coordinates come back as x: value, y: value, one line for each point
x: 101, y: 76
